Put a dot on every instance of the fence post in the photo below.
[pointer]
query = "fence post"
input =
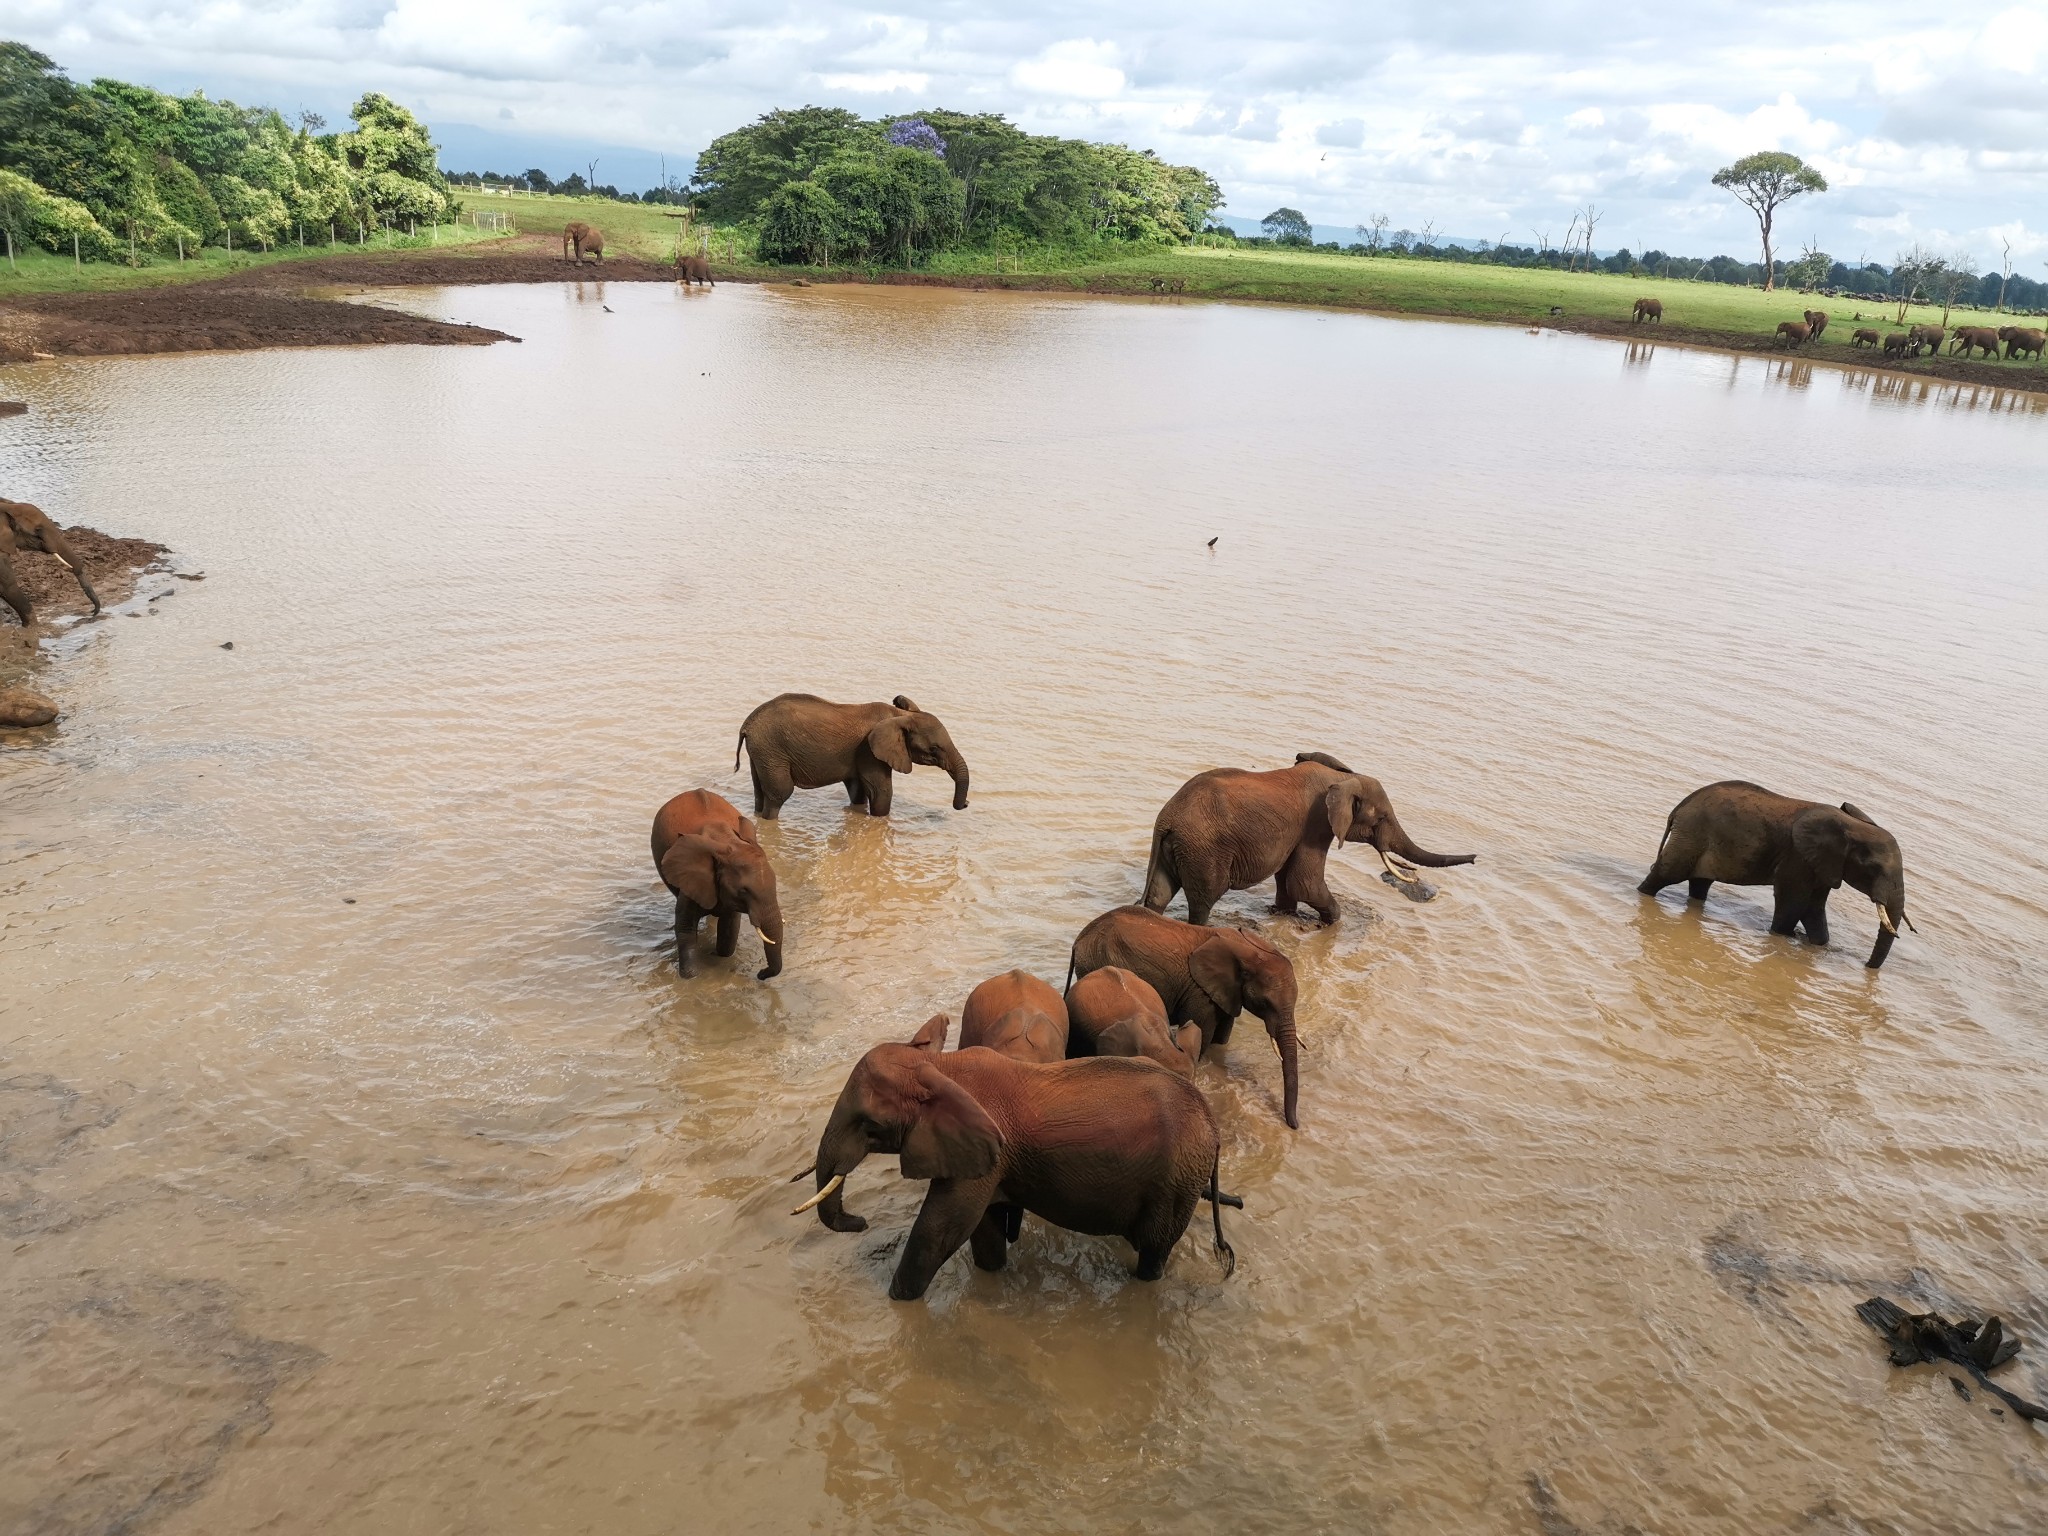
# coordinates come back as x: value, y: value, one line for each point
x: 10, y: 251
x: 181, y: 247
x: 74, y: 250
x: 231, y: 239
x: 302, y: 237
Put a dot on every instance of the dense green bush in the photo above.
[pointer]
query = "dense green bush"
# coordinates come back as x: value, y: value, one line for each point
x: 29, y: 213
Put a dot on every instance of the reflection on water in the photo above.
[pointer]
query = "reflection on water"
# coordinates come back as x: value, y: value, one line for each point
x: 2026, y: 396
x: 365, y: 1164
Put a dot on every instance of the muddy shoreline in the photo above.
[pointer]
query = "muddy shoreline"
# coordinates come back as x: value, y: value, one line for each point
x: 283, y: 305
x: 118, y: 568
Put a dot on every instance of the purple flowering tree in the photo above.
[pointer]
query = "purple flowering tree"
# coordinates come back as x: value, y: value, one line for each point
x: 915, y: 133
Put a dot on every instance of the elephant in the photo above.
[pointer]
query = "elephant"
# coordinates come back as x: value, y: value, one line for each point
x: 1900, y: 341
x: 573, y: 234
x: 799, y: 741
x: 2019, y: 339
x: 693, y: 269
x: 1016, y: 1015
x: 30, y: 528
x: 1794, y: 332
x: 1816, y: 321
x: 1974, y: 337
x: 1648, y: 309
x: 1928, y: 336
x: 1742, y: 834
x: 1204, y: 976
x: 1111, y: 1012
x: 12, y: 593
x: 1105, y: 1146
x: 1866, y: 337
x: 709, y: 859
x: 1230, y: 828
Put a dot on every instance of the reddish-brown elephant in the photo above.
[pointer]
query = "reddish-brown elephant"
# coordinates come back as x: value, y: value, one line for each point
x: 1816, y: 322
x: 1228, y: 829
x: 1112, y: 1012
x: 1928, y: 336
x: 1979, y: 337
x: 1866, y: 337
x: 1016, y: 1015
x: 580, y: 239
x: 1793, y: 332
x: 27, y: 527
x: 1204, y: 976
x: 709, y: 859
x: 799, y: 741
x: 1107, y: 1146
x: 693, y: 269
x: 2019, y: 339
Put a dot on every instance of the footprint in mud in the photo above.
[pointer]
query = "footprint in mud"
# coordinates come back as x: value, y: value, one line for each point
x: 130, y: 1395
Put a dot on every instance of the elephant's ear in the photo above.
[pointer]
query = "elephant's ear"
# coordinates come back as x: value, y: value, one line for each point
x: 953, y: 1136
x: 1189, y: 1039
x: 689, y: 870
x: 932, y: 1037
x: 1341, y: 803
x: 1821, y: 838
x: 886, y: 742
x: 1217, y: 970
x: 1851, y: 810
x: 905, y: 703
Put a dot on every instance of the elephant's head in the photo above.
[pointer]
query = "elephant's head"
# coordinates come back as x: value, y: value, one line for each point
x: 1175, y: 1049
x: 32, y: 528
x: 722, y: 872
x: 897, y: 1100
x: 1845, y: 847
x: 1360, y: 812
x: 1238, y: 971
x: 905, y: 740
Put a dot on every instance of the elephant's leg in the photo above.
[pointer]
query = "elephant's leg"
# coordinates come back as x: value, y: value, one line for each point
x: 1159, y: 1226
x: 1676, y: 860
x: 688, y: 915
x: 772, y: 787
x: 1696, y: 890
x: 1308, y: 877
x: 1815, y: 922
x: 728, y: 934
x: 953, y: 1208
x: 991, y: 1247
x: 1788, y: 907
x: 856, y: 792
x: 880, y: 788
x: 13, y: 596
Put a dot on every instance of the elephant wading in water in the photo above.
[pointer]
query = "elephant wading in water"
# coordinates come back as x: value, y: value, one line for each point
x: 1110, y: 1012
x: 1110, y: 1147
x: 709, y: 860
x: 1204, y: 976
x: 693, y: 269
x: 1016, y: 1015
x: 799, y: 741
x: 27, y: 527
x: 1741, y: 834
x: 1228, y: 829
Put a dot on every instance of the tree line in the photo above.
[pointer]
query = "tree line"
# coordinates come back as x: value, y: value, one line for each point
x: 113, y: 170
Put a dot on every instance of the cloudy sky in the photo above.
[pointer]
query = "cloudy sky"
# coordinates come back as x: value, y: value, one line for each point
x: 1483, y: 116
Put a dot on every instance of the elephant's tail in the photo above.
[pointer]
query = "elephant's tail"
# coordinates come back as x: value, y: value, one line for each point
x: 1226, y: 1254
x: 1073, y: 958
x: 736, y: 749
x: 1159, y: 881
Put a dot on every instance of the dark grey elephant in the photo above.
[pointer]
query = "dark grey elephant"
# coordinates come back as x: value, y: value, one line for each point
x: 1741, y: 834
x: 1204, y: 976
x: 1228, y: 829
x: 799, y: 741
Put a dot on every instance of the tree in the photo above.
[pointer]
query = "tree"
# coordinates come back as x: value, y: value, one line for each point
x: 1956, y: 273
x: 1286, y: 226
x: 1909, y: 269
x: 1811, y: 269
x: 1765, y: 182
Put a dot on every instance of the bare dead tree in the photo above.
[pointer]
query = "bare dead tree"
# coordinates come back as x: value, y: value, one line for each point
x: 1429, y: 232
x: 1592, y: 221
x: 2005, y: 275
x: 1570, y: 248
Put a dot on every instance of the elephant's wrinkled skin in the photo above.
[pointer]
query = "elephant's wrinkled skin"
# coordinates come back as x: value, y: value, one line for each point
x: 1204, y: 976
x: 1017, y: 1015
x: 1112, y: 1012
x: 1742, y: 834
x: 23, y: 526
x: 799, y: 741
x: 710, y: 861
x: 1110, y: 1147
x: 1229, y: 828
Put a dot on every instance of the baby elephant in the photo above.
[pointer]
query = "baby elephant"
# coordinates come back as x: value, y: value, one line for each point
x: 1745, y: 835
x: 1901, y: 344
x: 1016, y: 1015
x: 709, y: 860
x: 1794, y: 332
x: 1109, y: 1147
x: 800, y: 741
x: 1866, y: 337
x: 693, y: 269
x: 1111, y: 1012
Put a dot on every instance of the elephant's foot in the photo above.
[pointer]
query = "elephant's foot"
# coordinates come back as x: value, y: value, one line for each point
x: 1696, y: 890
x: 1151, y: 1263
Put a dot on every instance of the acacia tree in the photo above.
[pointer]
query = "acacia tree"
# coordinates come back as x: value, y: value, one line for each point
x: 1286, y: 226
x: 1763, y: 183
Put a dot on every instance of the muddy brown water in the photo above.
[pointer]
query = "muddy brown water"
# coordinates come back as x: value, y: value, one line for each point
x: 364, y: 1166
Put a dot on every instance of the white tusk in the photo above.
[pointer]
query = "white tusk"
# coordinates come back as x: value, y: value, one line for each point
x: 1396, y: 873
x: 819, y: 1198
x: 1884, y: 921
x: 63, y: 562
x: 766, y: 940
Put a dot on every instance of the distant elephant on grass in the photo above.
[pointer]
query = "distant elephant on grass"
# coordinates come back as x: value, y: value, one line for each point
x: 2018, y: 339
x: 27, y: 527
x: 1979, y: 337
x: 1016, y: 1015
x: 693, y: 269
x: 708, y: 858
x: 1112, y: 1012
x: 1110, y: 1147
x: 1204, y: 976
x: 1742, y: 834
x: 1816, y: 322
x: 800, y: 741
x: 1229, y: 829
x: 1900, y: 343
x: 1866, y: 338
x: 1794, y: 332
x: 1648, y: 309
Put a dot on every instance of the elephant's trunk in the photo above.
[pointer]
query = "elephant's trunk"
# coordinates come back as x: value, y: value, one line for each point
x: 768, y: 923
x: 956, y: 765
x: 1390, y: 838
x: 1891, y: 916
x: 77, y: 568
x: 840, y: 1150
x: 1282, y: 1031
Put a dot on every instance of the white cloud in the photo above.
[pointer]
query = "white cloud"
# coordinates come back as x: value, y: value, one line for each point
x: 1078, y: 67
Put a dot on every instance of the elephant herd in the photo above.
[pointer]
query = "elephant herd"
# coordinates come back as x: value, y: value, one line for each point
x: 580, y: 239
x: 1080, y: 1106
x: 2016, y: 340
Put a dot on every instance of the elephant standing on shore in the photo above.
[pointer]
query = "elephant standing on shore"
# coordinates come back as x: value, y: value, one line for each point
x: 1742, y: 834
x: 579, y: 238
x: 707, y: 856
x: 1793, y: 333
x: 1109, y: 1147
x: 1228, y: 829
x: 799, y: 741
x: 1866, y: 337
x: 1204, y: 976
x: 1816, y: 322
x: 1648, y: 309
x: 27, y: 527
x: 1928, y: 336
x: 1112, y: 1012
x: 2019, y: 339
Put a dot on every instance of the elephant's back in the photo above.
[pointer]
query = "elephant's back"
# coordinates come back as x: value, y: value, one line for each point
x: 692, y: 811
